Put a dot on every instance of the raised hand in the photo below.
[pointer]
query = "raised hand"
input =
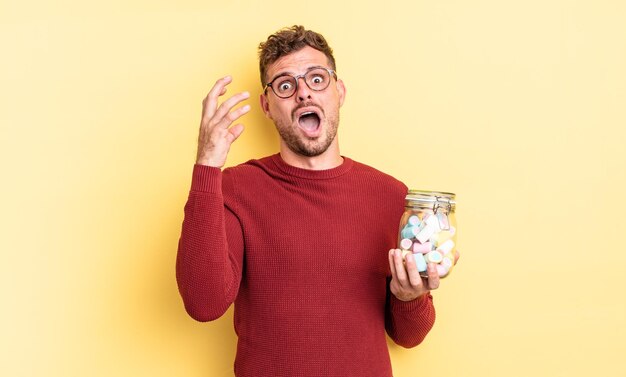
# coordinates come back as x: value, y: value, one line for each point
x: 216, y: 133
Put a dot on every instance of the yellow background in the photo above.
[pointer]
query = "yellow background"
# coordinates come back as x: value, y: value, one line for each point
x: 516, y: 106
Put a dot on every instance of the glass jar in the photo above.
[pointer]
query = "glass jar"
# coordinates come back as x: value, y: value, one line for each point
x: 428, y: 230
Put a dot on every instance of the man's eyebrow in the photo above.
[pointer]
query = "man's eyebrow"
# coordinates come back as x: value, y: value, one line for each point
x: 290, y: 73
x: 283, y: 73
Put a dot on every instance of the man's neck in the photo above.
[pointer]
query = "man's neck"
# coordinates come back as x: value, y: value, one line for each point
x: 331, y: 158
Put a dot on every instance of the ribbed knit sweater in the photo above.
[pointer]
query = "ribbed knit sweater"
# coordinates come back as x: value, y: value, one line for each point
x: 303, y: 254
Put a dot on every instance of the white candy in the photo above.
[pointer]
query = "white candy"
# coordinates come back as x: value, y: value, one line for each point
x: 444, y: 224
x: 446, y: 247
x: 432, y: 227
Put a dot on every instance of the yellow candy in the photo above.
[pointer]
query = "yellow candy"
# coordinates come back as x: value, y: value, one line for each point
x: 442, y: 237
x: 405, y: 252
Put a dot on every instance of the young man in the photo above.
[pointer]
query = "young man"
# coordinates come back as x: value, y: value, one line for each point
x: 301, y: 241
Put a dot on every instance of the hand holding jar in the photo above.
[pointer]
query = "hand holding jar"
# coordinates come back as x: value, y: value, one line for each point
x: 428, y: 231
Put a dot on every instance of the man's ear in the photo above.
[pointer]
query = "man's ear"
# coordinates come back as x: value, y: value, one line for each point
x: 341, y: 88
x: 265, y: 106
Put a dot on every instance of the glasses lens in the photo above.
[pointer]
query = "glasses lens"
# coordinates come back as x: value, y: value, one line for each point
x: 284, y: 86
x: 317, y: 79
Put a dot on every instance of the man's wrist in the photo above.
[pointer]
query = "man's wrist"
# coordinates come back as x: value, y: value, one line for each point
x: 210, y: 162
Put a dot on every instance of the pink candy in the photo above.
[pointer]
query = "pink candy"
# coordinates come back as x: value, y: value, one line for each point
x: 406, y: 243
x: 422, y: 247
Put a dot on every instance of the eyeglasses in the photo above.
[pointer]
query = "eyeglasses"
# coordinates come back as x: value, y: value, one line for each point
x: 318, y: 78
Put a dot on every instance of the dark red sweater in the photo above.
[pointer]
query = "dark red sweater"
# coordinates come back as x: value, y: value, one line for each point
x: 303, y: 254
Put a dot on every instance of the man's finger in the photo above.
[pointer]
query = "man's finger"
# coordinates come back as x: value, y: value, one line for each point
x: 227, y: 106
x: 411, y: 268
x: 234, y: 132
x: 233, y: 116
x: 210, y: 102
x: 392, y: 264
x: 400, y: 271
x: 433, y: 276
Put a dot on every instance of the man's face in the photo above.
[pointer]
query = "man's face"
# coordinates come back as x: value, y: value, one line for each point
x: 307, y: 121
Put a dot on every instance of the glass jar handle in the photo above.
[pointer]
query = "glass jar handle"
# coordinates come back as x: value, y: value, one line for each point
x: 444, y: 224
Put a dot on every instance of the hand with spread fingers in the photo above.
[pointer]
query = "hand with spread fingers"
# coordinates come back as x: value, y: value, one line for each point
x: 406, y: 283
x: 216, y: 133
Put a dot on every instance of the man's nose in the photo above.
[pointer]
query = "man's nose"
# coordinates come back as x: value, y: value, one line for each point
x: 303, y: 92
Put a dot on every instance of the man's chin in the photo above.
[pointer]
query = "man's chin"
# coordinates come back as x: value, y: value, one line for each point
x: 310, y: 150
x: 299, y: 143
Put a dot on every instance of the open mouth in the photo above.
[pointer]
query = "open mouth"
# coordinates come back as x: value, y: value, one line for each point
x: 309, y: 121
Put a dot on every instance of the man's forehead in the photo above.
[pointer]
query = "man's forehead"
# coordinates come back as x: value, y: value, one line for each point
x: 298, y: 62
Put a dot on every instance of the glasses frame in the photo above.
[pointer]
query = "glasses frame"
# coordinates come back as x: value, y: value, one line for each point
x: 331, y: 73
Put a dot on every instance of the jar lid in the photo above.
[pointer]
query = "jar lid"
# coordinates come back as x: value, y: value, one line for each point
x: 431, y: 198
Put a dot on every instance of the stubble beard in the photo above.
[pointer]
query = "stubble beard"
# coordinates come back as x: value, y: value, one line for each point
x: 306, y: 146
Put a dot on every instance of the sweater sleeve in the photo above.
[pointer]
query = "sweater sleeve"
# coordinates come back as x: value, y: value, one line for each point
x: 210, y: 249
x: 409, y: 322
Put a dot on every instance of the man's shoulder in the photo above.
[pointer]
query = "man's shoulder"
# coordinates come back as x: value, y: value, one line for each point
x: 377, y: 175
x: 363, y: 168
x: 250, y: 170
x: 251, y: 165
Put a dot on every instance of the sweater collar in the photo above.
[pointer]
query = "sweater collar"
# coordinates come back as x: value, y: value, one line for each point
x: 311, y: 174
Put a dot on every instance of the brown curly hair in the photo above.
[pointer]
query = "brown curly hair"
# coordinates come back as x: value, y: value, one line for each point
x: 288, y: 40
